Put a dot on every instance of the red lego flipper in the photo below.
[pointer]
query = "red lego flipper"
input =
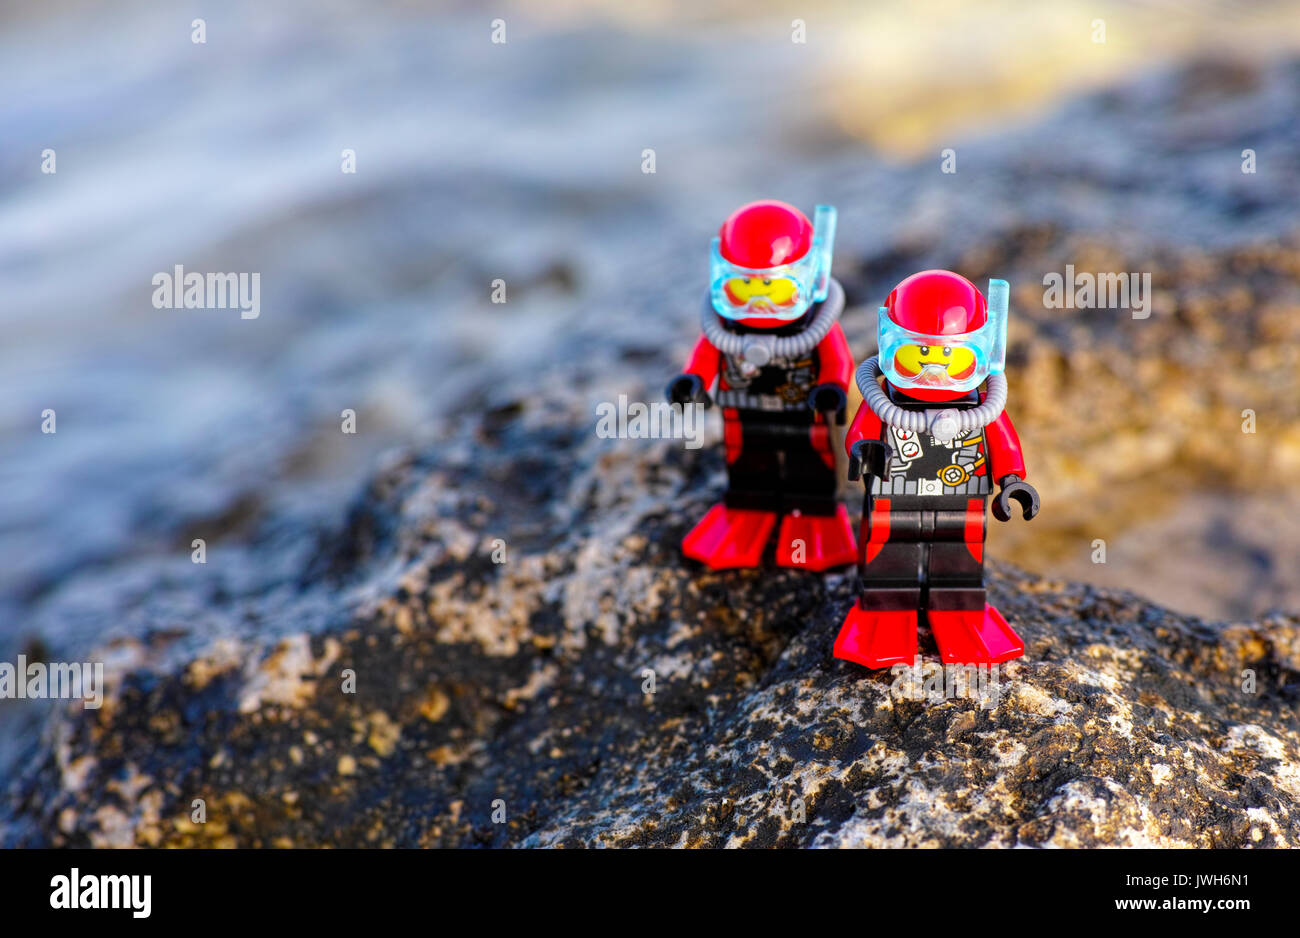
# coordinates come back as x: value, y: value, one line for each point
x: 877, y: 638
x: 729, y: 537
x: 974, y: 636
x: 816, y: 542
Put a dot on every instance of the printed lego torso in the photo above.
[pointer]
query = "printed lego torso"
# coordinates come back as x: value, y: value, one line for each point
x: 923, y: 467
x: 780, y: 385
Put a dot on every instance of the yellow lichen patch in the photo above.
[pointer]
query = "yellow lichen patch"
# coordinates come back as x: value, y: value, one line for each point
x: 223, y: 656
x: 74, y: 773
x: 130, y: 787
x: 288, y: 675
x: 446, y: 755
x: 114, y: 828
x: 1034, y: 700
x: 539, y: 679
x: 384, y: 733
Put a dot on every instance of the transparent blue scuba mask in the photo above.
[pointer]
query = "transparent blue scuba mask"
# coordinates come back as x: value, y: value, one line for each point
x: 782, y: 293
x: 916, y: 360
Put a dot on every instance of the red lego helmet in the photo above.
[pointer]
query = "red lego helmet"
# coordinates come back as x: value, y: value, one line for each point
x: 765, y: 234
x: 938, y: 303
x: 769, y: 264
x: 938, y: 338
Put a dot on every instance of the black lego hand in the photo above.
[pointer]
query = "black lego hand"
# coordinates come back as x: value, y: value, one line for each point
x: 1022, y: 492
x: 870, y: 457
x: 687, y: 388
x: 826, y: 398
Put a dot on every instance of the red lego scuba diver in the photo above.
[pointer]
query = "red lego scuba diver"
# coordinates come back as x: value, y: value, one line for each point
x: 773, y: 341
x: 929, y: 446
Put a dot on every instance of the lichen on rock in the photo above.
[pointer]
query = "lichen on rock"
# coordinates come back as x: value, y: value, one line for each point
x: 520, y: 689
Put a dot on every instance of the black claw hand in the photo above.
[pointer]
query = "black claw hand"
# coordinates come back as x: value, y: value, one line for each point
x: 826, y: 398
x: 687, y: 388
x: 870, y: 457
x: 1022, y: 492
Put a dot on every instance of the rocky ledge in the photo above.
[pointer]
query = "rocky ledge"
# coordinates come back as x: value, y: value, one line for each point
x: 528, y: 661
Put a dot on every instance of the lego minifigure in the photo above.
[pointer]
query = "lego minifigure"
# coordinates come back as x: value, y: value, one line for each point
x: 773, y: 342
x: 928, y: 446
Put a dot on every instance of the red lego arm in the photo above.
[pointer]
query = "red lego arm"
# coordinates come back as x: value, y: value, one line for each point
x: 1004, y: 448
x: 865, y: 426
x: 836, y: 361
x: 705, y: 362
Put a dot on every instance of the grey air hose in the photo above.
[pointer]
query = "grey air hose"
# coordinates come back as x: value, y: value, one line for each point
x: 941, y: 423
x: 757, y: 349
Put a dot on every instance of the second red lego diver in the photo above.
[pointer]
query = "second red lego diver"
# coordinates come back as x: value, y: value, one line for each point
x: 929, y: 446
x: 773, y: 342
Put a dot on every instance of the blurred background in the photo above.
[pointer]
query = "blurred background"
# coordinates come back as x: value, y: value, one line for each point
x: 523, y: 161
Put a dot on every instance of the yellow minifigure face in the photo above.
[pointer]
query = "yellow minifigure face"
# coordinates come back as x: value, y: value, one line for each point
x: 938, y: 363
x: 760, y: 294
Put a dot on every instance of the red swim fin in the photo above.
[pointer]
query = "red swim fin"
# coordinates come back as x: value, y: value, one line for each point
x: 877, y: 638
x: 974, y: 636
x: 816, y: 542
x: 729, y: 537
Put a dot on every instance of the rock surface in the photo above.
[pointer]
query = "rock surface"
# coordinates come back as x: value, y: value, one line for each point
x: 390, y: 678
x: 521, y: 687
